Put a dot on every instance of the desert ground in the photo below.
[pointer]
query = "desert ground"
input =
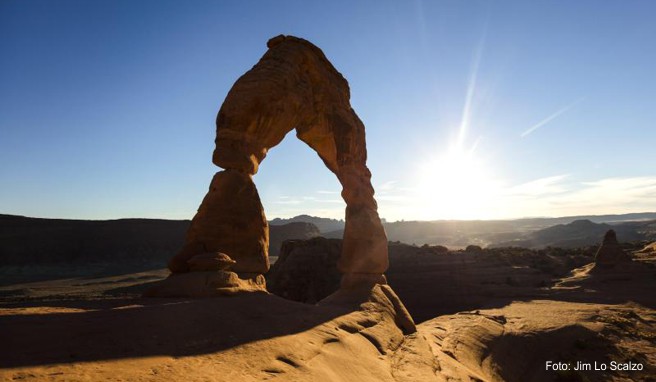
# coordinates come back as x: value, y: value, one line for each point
x: 489, y: 315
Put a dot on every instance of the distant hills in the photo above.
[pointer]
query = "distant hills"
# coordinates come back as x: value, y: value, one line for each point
x: 124, y: 242
x: 581, y: 233
x: 323, y: 224
x: 518, y: 232
x: 149, y: 243
x: 25, y: 240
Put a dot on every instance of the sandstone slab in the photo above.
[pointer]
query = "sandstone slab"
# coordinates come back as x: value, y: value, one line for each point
x: 207, y: 284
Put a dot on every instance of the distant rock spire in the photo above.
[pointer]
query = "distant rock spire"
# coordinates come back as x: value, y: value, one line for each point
x: 610, y: 253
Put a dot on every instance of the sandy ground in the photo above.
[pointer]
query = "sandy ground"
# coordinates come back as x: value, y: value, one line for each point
x: 96, y: 329
x: 515, y: 343
x: 250, y: 337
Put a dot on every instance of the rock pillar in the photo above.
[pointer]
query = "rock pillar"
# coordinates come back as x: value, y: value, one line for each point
x: 229, y: 220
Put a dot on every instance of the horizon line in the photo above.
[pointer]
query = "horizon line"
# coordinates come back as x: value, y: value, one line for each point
x: 320, y: 217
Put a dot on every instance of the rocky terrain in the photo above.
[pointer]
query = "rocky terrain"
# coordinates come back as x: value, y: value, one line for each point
x: 458, y: 279
x: 491, y: 315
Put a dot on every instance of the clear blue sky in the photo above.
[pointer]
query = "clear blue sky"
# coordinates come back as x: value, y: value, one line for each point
x: 473, y: 109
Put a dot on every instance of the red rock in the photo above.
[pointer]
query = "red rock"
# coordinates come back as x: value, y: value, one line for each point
x: 293, y: 86
x: 229, y: 220
x: 207, y: 284
x: 211, y: 261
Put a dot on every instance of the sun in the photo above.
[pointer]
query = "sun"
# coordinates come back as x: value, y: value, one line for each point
x: 456, y: 185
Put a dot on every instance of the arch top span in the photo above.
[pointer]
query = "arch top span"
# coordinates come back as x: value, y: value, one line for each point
x: 293, y: 86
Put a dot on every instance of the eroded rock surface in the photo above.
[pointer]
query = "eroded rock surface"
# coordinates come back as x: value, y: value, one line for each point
x: 207, y: 284
x: 293, y: 86
x: 209, y: 276
x: 229, y: 220
x: 210, y: 262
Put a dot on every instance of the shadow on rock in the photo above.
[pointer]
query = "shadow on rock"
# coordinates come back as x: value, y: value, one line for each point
x: 174, y: 327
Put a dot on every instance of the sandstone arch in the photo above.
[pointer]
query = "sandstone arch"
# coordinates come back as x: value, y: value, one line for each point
x: 293, y: 86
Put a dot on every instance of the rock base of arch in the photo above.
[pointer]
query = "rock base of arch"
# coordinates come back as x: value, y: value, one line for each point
x: 208, y: 284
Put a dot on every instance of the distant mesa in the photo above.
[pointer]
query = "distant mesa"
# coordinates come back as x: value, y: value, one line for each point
x: 474, y: 248
x: 324, y: 225
x: 69, y: 248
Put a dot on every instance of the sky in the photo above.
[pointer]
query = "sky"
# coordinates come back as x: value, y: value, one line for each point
x: 473, y: 109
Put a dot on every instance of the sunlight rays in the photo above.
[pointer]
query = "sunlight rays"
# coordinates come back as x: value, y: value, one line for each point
x: 457, y: 184
x: 553, y: 116
x: 465, y: 119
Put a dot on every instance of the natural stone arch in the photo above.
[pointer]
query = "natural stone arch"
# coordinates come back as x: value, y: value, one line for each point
x: 293, y: 86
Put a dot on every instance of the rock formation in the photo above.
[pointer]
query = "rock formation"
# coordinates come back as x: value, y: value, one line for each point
x: 293, y: 86
x: 306, y: 270
x: 610, y: 253
x: 278, y: 234
x: 210, y: 262
x: 229, y: 220
x: 209, y: 275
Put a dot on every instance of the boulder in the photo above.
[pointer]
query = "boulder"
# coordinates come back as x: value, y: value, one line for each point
x: 306, y: 270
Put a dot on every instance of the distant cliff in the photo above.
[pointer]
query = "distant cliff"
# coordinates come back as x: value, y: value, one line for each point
x: 28, y: 241
x: 581, y: 233
x: 323, y: 224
